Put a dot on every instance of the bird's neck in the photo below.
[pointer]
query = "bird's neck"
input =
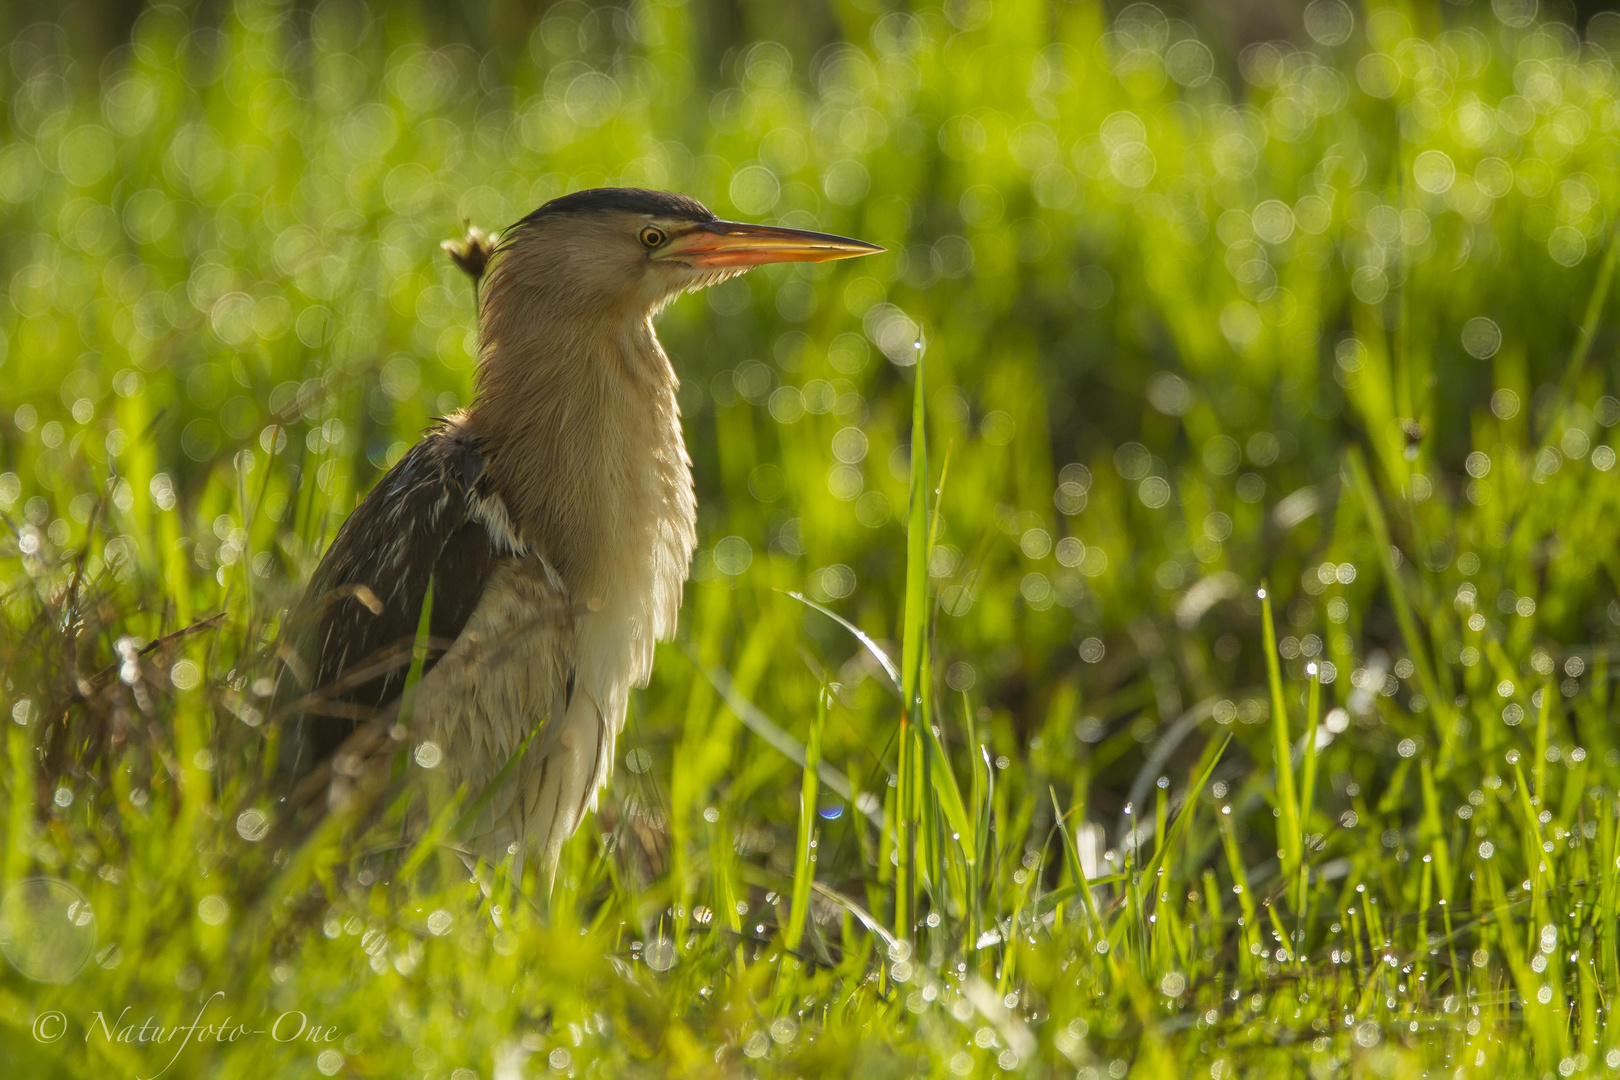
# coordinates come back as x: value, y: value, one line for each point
x: 581, y: 429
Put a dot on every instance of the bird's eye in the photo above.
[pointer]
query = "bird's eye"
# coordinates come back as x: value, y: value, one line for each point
x: 651, y: 237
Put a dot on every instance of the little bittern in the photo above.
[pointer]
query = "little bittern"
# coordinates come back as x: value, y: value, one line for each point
x: 554, y: 518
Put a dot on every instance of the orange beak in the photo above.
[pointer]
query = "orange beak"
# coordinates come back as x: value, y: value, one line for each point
x: 717, y: 244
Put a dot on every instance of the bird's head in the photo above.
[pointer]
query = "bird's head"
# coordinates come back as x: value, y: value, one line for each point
x: 630, y: 251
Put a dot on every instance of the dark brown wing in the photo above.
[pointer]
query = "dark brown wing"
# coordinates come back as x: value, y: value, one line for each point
x: 352, y: 634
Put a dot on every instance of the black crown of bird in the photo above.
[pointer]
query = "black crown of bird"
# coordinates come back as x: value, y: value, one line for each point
x: 540, y: 537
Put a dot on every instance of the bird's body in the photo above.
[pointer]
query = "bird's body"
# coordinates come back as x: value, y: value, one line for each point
x: 555, y: 518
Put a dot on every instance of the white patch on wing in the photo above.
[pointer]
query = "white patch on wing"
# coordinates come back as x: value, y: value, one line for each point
x: 490, y: 512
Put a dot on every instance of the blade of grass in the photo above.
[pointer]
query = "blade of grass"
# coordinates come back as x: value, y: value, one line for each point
x: 914, y: 620
x: 1307, y: 792
x: 864, y: 917
x: 804, y: 868
x: 981, y: 817
x: 1307, y: 784
x: 913, y: 649
x: 1077, y: 868
x: 860, y: 635
x: 1543, y: 716
x: 939, y: 799
x: 469, y: 819
x: 949, y: 794
x: 1050, y: 902
x: 1206, y: 768
x: 1249, y: 937
x: 1282, y: 748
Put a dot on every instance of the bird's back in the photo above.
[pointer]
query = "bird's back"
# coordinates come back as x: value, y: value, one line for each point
x: 432, y: 522
x: 350, y: 637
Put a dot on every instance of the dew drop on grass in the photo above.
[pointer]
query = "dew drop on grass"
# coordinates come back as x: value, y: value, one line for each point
x: 252, y: 824
x: 1481, y: 337
x: 733, y: 555
x: 660, y: 954
x: 213, y: 910
x: 1329, y: 22
x: 47, y: 929
x: 1189, y: 62
x: 185, y: 675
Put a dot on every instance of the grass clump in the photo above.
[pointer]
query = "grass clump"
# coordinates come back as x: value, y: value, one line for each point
x: 1228, y: 588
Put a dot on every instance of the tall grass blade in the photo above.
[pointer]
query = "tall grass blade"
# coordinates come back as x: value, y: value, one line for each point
x: 1288, y: 835
x: 1307, y: 786
x: 914, y: 621
x: 804, y: 867
x: 913, y: 659
x: 1206, y: 768
x: 1071, y: 853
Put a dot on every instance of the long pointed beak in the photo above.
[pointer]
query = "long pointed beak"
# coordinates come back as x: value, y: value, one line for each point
x: 733, y: 243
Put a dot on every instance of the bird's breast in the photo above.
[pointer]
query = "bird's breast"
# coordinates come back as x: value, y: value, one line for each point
x: 588, y: 458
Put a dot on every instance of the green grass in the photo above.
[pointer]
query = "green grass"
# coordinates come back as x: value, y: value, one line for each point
x: 1235, y: 574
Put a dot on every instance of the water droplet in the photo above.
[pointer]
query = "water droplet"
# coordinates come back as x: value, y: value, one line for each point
x: 660, y: 954
x: 47, y: 929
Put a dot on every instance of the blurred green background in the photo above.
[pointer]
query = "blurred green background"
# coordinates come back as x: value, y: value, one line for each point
x: 1162, y: 287
x: 1170, y: 265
